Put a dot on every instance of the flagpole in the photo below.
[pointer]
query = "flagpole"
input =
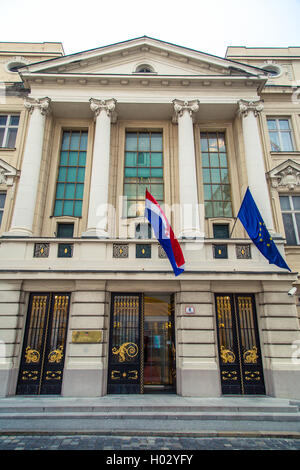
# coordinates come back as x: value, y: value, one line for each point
x: 233, y: 226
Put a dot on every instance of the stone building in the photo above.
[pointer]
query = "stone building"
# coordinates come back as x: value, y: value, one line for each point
x: 89, y: 302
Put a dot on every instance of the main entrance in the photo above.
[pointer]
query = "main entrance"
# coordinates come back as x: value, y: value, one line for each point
x: 43, y: 353
x: 142, y: 344
x: 239, y: 349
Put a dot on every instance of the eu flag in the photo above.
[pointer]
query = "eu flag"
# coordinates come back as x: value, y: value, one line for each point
x: 254, y: 225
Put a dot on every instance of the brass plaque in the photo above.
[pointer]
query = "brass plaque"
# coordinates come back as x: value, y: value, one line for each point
x: 87, y: 336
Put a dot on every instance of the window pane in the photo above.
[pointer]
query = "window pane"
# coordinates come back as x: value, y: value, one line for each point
x: 284, y: 124
x: 130, y: 190
x: 224, y: 176
x: 206, y: 175
x: 284, y: 203
x: 223, y: 160
x: 2, y: 200
x: 221, y: 231
x: 58, y: 208
x: 2, y: 130
x: 156, y: 142
x: 141, y: 191
x: 131, y: 141
x: 70, y: 191
x: 226, y: 192
x: 205, y: 159
x: 296, y: 202
x: 65, y: 140
x: 275, y: 145
x: 144, y: 141
x: 287, y: 143
x: 71, y: 174
x: 216, y: 190
x: 75, y: 138
x: 271, y: 124
x: 227, y: 209
x: 14, y: 120
x: 214, y: 160
x: 289, y: 229
x: 297, y: 217
x: 130, y: 159
x: 64, y: 158
x: 11, y: 138
x: 68, y: 208
x: 144, y: 159
x: 207, y: 192
x: 218, y: 209
x: 65, y: 230
x: 213, y: 143
x: 79, y: 191
x: 156, y: 159
x: 157, y: 190
x: 157, y: 172
x: 144, y: 172
x: 60, y: 190
x: 1, y: 215
x: 83, y: 141
x: 221, y: 142
x: 130, y: 172
x: 208, y: 209
x: 82, y: 158
x: 215, y: 175
x: 73, y: 158
x: 3, y: 120
x: 77, y: 208
x: 62, y: 174
x: 80, y: 175
x: 204, y: 142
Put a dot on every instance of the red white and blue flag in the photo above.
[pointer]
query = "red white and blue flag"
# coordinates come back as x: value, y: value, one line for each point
x: 164, y: 233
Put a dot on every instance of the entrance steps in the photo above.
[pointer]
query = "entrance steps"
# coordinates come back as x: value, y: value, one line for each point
x: 151, y: 407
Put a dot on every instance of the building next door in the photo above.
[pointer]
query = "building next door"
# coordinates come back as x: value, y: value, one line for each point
x: 239, y: 347
x: 43, y: 354
x: 142, y: 344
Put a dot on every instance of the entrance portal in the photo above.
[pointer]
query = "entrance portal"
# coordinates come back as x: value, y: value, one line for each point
x: 142, y: 344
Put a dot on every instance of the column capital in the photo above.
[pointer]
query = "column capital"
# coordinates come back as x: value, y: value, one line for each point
x: 43, y: 104
x: 181, y: 105
x: 245, y: 106
x: 108, y: 106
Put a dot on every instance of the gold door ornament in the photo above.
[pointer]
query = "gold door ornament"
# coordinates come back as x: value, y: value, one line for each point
x: 227, y: 355
x: 251, y: 356
x: 56, y: 355
x: 126, y: 349
x: 31, y: 355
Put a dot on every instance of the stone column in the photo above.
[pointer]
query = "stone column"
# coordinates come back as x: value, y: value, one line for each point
x: 98, y: 202
x: 190, y: 225
x: 249, y: 111
x: 23, y: 215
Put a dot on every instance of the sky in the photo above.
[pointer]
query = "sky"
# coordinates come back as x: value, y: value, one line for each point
x: 205, y: 25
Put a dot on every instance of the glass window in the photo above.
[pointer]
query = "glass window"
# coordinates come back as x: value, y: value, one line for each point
x: 290, y: 208
x: 71, y: 173
x: 8, y: 130
x: 221, y: 230
x: 143, y: 170
x: 217, y: 193
x: 280, y: 133
x: 65, y: 230
x: 2, y: 203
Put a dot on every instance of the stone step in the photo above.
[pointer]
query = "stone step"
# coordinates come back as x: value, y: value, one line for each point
x: 146, y: 415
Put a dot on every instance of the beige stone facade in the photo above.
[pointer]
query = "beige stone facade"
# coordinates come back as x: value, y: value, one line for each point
x: 146, y: 85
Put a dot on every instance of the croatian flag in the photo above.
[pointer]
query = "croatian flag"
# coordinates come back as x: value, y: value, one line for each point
x: 164, y: 233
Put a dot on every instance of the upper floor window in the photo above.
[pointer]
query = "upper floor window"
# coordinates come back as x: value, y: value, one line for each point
x: 143, y: 169
x: 217, y: 192
x: 8, y: 130
x: 2, y: 203
x: 145, y: 68
x: 280, y: 133
x: 71, y: 173
x: 290, y: 208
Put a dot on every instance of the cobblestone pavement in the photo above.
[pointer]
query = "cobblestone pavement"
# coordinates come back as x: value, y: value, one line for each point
x: 96, y: 442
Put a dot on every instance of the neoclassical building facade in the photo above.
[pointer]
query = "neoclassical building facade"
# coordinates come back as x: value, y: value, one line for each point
x: 89, y: 303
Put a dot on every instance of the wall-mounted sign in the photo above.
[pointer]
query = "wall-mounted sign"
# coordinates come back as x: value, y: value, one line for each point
x: 87, y: 336
x: 189, y: 309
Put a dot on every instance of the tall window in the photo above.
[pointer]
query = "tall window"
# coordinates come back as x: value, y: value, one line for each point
x: 71, y: 172
x: 217, y: 193
x: 143, y: 169
x: 8, y: 130
x: 280, y: 133
x: 290, y: 208
x: 2, y: 203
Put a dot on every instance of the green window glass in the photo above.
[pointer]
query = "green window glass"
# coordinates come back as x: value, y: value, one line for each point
x: 71, y: 173
x: 217, y: 193
x: 143, y: 170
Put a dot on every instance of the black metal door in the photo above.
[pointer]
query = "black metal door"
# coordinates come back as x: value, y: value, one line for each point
x: 43, y: 354
x: 239, y: 348
x: 126, y: 344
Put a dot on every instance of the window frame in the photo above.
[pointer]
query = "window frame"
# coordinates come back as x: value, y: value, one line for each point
x: 293, y: 213
x: 7, y: 127
x: 279, y: 131
x: 2, y: 209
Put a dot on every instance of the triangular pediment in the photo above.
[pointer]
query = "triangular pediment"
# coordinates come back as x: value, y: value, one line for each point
x: 285, y: 176
x: 125, y: 58
x: 7, y: 173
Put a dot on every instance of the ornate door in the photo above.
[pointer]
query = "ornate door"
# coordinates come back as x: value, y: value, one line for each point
x: 239, y: 348
x: 43, y: 353
x: 126, y: 344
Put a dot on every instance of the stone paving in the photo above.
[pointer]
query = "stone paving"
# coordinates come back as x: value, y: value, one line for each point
x: 123, y: 443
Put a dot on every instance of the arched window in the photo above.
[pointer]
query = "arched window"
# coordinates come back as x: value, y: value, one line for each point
x: 144, y: 68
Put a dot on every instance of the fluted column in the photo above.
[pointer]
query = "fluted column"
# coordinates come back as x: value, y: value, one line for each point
x: 257, y: 182
x: 98, y: 202
x: 190, y: 224
x: 23, y: 215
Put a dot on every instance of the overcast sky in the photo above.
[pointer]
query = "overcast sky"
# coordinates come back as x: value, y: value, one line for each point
x: 206, y: 25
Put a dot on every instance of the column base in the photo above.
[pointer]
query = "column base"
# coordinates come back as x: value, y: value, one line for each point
x: 95, y: 233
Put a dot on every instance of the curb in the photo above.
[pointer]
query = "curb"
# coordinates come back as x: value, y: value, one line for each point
x: 137, y: 433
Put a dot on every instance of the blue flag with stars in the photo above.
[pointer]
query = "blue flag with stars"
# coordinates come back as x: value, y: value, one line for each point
x: 254, y: 225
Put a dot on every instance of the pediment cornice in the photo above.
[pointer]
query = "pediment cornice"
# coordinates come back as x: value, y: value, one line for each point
x: 285, y: 176
x: 7, y: 173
